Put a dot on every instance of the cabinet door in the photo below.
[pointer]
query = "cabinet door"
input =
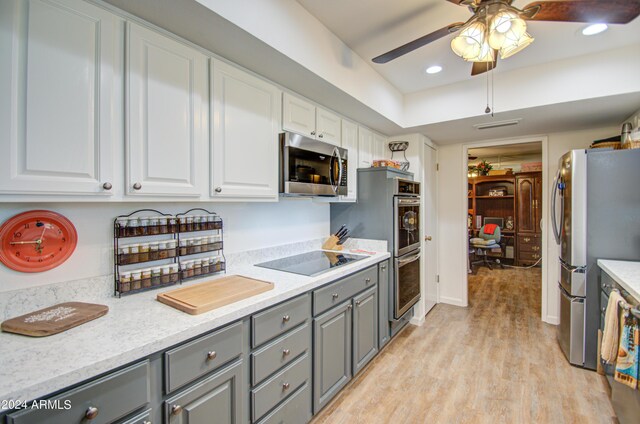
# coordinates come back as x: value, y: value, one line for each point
x: 383, y: 304
x: 244, y: 149
x: 350, y: 142
x: 60, y: 84
x: 332, y: 354
x: 365, y: 328
x: 380, y: 148
x: 365, y: 147
x: 220, y: 396
x: 167, y: 84
x: 525, y: 204
x: 328, y: 126
x: 298, y: 115
x: 538, y: 198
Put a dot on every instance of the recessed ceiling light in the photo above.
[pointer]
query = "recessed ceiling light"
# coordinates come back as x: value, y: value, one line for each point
x: 594, y: 29
x: 434, y: 69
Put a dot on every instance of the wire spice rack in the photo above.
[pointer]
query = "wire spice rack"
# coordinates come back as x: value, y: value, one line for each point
x: 160, y: 242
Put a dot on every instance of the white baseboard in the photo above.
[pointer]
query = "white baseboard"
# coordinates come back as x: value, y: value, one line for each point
x: 453, y: 301
x: 552, y: 320
x: 417, y: 321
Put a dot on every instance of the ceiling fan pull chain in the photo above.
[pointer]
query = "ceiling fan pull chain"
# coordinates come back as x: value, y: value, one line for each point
x: 493, y: 92
x: 487, y: 109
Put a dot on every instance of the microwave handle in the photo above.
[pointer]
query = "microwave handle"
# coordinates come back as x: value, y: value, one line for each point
x: 336, y: 153
x: 340, y: 171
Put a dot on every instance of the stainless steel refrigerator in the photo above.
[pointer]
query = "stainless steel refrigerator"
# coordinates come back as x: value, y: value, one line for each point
x: 595, y: 214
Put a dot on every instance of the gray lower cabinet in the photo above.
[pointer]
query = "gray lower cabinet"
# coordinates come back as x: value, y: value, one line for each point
x: 365, y: 328
x: 294, y: 410
x: 218, y: 398
x: 383, y: 304
x: 332, y: 354
x: 144, y: 417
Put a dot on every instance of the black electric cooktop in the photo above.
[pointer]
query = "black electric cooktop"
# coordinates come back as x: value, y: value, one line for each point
x: 311, y: 263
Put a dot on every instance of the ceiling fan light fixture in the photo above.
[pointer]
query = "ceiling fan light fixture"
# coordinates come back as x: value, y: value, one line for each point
x: 469, y: 43
x: 594, y: 29
x: 509, y: 50
x: 506, y: 27
x: 434, y: 69
x: 486, y: 54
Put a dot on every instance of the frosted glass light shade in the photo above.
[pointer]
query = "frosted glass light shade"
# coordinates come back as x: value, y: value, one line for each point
x: 469, y: 43
x: 511, y: 49
x: 486, y: 54
x: 506, y: 28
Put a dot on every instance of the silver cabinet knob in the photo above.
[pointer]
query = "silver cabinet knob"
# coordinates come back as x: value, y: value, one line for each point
x: 285, y: 386
x: 91, y: 413
x: 604, y: 309
x: 107, y: 186
x: 176, y: 409
x: 313, y: 133
x: 427, y: 238
x: 286, y: 352
x: 357, y: 303
x: 286, y: 318
x: 349, y: 307
x: 367, y: 280
x: 146, y: 422
x: 383, y: 268
x: 137, y: 186
x: 334, y: 295
x: 321, y: 135
x: 218, y: 189
x: 211, y: 355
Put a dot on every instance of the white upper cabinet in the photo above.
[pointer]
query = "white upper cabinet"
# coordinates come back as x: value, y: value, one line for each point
x: 166, y: 115
x: 365, y: 147
x: 380, y: 147
x: 59, y: 98
x: 304, y: 118
x: 246, y: 122
x: 350, y: 142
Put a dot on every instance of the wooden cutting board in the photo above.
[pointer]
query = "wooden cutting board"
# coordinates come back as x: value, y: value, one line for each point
x: 213, y: 294
x: 54, y: 319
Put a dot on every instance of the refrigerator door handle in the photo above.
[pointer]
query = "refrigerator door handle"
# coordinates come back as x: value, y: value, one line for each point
x: 554, y: 196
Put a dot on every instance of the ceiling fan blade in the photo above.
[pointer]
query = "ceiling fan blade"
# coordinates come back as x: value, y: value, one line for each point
x: 482, y: 67
x: 415, y: 44
x: 600, y: 11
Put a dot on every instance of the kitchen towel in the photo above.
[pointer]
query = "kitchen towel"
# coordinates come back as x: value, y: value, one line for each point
x: 627, y: 362
x: 609, y: 348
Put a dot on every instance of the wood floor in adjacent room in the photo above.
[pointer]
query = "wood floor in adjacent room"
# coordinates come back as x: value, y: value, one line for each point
x: 493, y: 362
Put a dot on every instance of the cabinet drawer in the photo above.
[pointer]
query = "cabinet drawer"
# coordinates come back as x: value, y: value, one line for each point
x: 280, y: 386
x: 534, y: 247
x: 528, y: 239
x: 295, y: 410
x: 606, y: 282
x: 280, y: 352
x: 531, y: 257
x: 199, y: 357
x: 336, y: 293
x: 279, y: 319
x: 112, y: 397
x: 141, y: 418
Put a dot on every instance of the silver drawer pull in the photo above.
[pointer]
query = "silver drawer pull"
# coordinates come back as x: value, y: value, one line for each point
x: 137, y: 186
x: 211, y: 355
x: 357, y: 303
x: 367, y: 280
x: 176, y: 409
x: 285, y: 352
x: 285, y: 386
x: 349, y: 307
x: 91, y: 413
x: 383, y: 268
x: 286, y: 318
x: 146, y: 422
x: 334, y: 295
x: 107, y: 186
x: 604, y: 309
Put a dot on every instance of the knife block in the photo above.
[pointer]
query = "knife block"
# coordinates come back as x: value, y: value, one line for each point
x: 332, y: 244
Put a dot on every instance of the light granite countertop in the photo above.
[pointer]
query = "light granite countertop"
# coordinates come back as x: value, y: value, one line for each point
x: 625, y: 273
x: 136, y: 326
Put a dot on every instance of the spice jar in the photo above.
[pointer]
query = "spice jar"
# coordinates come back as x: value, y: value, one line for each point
x: 143, y: 228
x: 121, y: 225
x: 197, y: 267
x: 175, y: 274
x: 213, y: 240
x: 163, y: 225
x: 209, y: 222
x: 183, y: 246
x: 125, y: 282
x: 172, y: 223
x: 123, y: 255
x: 133, y: 226
x: 205, y: 265
x: 153, y: 228
x: 134, y: 253
x: 189, y: 223
x: 187, y: 267
x: 194, y: 246
x: 136, y: 280
x: 143, y: 256
x: 163, y: 253
x: 154, y: 251
x: 155, y: 276
x: 165, y: 274
x: 182, y: 224
x: 216, y: 263
x: 172, y: 248
x: 146, y: 277
x: 197, y: 223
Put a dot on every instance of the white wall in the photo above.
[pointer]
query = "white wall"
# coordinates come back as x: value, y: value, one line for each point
x: 452, y: 218
x: 247, y: 226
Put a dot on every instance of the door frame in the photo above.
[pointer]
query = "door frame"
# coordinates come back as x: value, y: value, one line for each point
x: 544, y: 140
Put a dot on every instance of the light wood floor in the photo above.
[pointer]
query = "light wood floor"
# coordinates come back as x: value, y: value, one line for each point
x: 493, y: 362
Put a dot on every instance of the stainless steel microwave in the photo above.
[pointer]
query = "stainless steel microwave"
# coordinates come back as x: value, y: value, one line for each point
x: 310, y: 167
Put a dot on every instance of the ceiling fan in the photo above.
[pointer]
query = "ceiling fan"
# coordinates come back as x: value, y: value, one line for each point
x: 498, y: 28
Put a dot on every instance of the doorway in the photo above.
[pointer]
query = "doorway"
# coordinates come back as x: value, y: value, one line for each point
x: 505, y: 212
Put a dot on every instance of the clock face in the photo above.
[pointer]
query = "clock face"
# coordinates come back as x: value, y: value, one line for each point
x: 36, y: 241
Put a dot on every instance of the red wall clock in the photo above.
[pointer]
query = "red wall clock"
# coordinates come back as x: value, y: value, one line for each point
x: 36, y: 241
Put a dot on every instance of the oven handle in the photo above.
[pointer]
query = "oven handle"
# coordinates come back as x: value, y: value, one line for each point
x: 405, y: 261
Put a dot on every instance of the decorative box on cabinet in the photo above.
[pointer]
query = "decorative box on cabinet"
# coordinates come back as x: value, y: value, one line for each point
x: 62, y: 93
